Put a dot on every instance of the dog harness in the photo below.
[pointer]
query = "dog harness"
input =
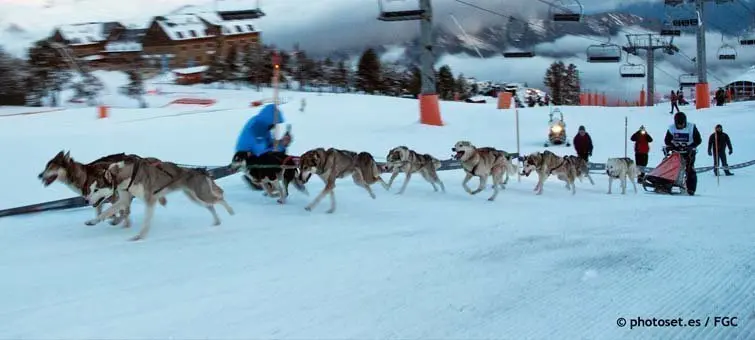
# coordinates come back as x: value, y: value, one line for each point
x: 157, y: 165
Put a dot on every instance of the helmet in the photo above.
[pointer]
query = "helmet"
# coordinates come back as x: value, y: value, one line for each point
x: 680, y: 119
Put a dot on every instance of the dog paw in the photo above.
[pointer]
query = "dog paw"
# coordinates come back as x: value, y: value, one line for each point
x: 136, y: 238
x: 91, y: 222
x: 114, y: 221
x: 491, y: 199
x: 308, y: 208
x: 330, y: 211
x: 280, y: 201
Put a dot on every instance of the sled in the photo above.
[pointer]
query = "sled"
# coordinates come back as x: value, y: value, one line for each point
x: 669, y: 177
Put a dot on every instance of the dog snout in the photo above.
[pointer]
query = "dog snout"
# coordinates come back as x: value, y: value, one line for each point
x: 453, y: 149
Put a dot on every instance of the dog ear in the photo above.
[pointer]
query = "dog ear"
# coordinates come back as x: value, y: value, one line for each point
x: 67, y: 155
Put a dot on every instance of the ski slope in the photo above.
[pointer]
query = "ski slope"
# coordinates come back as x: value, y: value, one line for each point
x: 418, y: 265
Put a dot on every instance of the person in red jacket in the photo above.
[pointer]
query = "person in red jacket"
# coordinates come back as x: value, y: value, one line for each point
x: 642, y: 140
x: 583, y: 144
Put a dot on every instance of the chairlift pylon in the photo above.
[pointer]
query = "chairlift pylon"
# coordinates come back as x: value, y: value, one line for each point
x: 687, y: 80
x: 399, y: 10
x: 603, y: 53
x: 566, y: 11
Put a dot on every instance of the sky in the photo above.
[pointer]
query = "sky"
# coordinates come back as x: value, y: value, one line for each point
x: 326, y: 25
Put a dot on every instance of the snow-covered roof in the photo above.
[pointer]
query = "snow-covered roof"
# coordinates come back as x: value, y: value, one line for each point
x: 748, y: 76
x: 92, y: 57
x: 183, y: 26
x: 191, y: 70
x: 230, y: 25
x: 86, y: 33
x: 233, y: 16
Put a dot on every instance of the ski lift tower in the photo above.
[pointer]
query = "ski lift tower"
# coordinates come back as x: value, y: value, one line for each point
x: 649, y: 43
x: 413, y: 10
x: 702, y: 89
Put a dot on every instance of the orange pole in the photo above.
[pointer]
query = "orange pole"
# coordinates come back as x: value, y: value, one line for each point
x: 702, y: 96
x: 642, y: 96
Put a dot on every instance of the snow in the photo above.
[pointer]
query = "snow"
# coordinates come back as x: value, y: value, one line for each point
x: 83, y: 34
x: 123, y: 46
x: 418, y: 265
x: 191, y: 70
x: 183, y: 26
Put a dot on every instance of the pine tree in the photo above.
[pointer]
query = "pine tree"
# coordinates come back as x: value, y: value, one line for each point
x: 12, y: 78
x: 393, y: 79
x: 342, y: 76
x: 368, y: 72
x: 239, y: 69
x: 328, y: 70
x: 87, y: 88
x: 217, y: 72
x: 445, y: 83
x: 571, y: 86
x: 49, y: 69
x: 135, y: 88
x: 462, y: 87
x: 253, y: 64
x: 555, y: 81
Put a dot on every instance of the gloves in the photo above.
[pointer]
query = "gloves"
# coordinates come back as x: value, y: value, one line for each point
x: 589, y: 153
x: 710, y: 153
x: 730, y: 151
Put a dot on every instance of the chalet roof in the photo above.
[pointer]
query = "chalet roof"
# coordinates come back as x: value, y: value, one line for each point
x: 183, y: 26
x: 130, y: 40
x: 748, y: 76
x: 231, y: 24
x: 87, y: 33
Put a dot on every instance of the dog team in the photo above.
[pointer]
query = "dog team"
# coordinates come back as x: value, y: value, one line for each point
x: 119, y: 178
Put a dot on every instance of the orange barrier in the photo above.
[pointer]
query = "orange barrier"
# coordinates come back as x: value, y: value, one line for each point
x: 102, y: 111
x: 29, y: 113
x: 642, y: 97
x: 256, y: 103
x: 504, y: 100
x: 429, y: 110
x: 702, y: 97
x: 193, y: 101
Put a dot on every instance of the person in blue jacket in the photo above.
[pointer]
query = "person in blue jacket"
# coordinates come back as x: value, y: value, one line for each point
x: 257, y: 137
x: 257, y: 134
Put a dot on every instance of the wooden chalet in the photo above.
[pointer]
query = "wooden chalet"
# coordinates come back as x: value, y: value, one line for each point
x: 124, y: 47
x: 85, y: 40
x: 192, y: 36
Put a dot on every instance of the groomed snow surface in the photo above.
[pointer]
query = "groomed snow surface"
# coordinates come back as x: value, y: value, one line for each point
x: 418, y: 265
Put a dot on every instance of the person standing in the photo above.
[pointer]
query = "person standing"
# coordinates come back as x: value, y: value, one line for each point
x: 583, y: 144
x: 683, y: 137
x: 720, y: 149
x: 642, y: 141
x: 674, y: 101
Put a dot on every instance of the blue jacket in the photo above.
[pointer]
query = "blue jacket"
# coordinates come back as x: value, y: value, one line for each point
x: 256, y: 136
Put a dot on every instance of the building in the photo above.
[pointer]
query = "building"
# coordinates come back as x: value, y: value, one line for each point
x: 192, y: 36
x: 124, y: 46
x: 85, y: 40
x: 742, y: 87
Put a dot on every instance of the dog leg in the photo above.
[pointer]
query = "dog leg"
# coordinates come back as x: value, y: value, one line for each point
x: 395, y: 173
x: 590, y: 178
x: 634, y: 183
x: 497, y: 176
x: 540, y: 180
x: 467, y: 178
x: 358, y: 178
x: 610, y: 184
x: 148, y: 213
x: 332, y: 203
x: 123, y: 201
x: 226, y: 206
x: 215, y: 217
x: 481, y: 187
x: 406, y: 182
x: 283, y: 192
x: 623, y: 185
x: 330, y: 184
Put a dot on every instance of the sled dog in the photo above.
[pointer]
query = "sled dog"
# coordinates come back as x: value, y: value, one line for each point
x: 332, y: 164
x: 402, y: 159
x: 622, y: 169
x: 79, y: 177
x: 273, y: 171
x: 150, y: 181
x: 546, y: 163
x: 483, y: 162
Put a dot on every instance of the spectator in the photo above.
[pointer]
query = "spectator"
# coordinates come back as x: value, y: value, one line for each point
x: 684, y: 138
x: 720, y: 97
x: 720, y: 149
x: 642, y: 141
x: 674, y: 101
x: 583, y: 144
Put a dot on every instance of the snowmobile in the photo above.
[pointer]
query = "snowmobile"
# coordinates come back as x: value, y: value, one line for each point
x: 670, y: 176
x: 556, y: 130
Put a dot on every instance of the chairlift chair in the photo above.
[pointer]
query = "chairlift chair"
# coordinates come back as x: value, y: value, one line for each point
x: 519, y: 54
x: 630, y: 70
x: 604, y: 53
x: 673, y: 2
x: 687, y: 80
x: 727, y: 52
x: 400, y: 10
x: 566, y: 11
x: 668, y: 30
x: 748, y: 39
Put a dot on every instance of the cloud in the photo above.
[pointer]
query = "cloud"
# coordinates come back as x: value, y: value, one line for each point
x: 606, y: 77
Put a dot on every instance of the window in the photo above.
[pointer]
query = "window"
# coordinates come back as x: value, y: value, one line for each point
x: 238, y: 29
x: 180, y: 35
x: 193, y: 33
x: 210, y: 45
x: 197, y: 46
x: 251, y: 29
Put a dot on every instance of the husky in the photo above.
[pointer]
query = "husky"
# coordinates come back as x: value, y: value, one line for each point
x: 402, y: 159
x: 272, y: 171
x: 79, y: 177
x: 622, y: 169
x: 332, y: 164
x: 150, y: 181
x: 567, y: 169
x: 483, y: 162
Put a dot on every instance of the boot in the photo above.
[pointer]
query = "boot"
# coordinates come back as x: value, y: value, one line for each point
x: 728, y: 173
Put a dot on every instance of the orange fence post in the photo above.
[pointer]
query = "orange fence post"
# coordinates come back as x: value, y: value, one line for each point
x: 504, y: 100
x: 102, y: 111
x: 702, y: 97
x: 604, y: 99
x: 429, y: 110
x: 642, y: 96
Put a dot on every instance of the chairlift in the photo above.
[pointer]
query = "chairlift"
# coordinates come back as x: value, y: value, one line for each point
x: 668, y: 30
x: 400, y: 10
x: 519, y: 54
x: 673, y: 2
x: 726, y: 51
x: 747, y: 39
x: 687, y: 80
x: 566, y: 11
x: 604, y: 53
x: 631, y: 70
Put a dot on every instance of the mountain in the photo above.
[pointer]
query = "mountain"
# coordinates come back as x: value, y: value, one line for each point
x: 516, y: 34
x: 731, y: 18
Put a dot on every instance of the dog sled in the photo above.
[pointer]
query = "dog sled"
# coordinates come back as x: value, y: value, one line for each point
x: 557, y: 130
x: 669, y: 177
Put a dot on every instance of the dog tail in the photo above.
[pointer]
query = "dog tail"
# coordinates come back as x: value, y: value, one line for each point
x: 366, y: 158
x: 436, y: 162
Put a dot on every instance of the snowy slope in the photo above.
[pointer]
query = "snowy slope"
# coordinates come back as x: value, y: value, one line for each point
x: 424, y: 264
